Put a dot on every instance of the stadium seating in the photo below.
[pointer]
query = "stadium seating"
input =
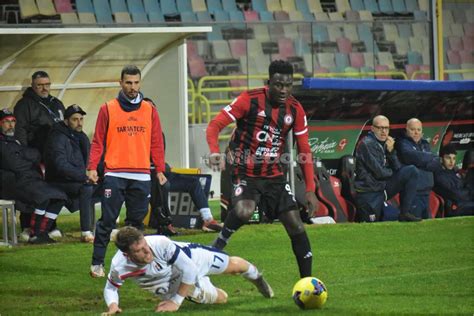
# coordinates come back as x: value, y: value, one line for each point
x: 357, y: 60
x: 46, y: 7
x: 251, y: 16
x: 371, y: 6
x: 199, y: 6
x: 402, y: 46
x: 411, y: 5
x: 344, y: 45
x: 118, y: 6
x: 102, y: 11
x: 343, y: 6
x: 386, y: 7
x: 169, y: 8
x: 357, y: 5
x: 28, y: 9
x: 288, y: 6
x: 274, y: 5
x: 399, y: 6
x: 352, y: 16
x: 69, y: 18
x: 63, y: 6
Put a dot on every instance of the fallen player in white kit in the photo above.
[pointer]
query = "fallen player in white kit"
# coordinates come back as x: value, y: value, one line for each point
x: 173, y: 271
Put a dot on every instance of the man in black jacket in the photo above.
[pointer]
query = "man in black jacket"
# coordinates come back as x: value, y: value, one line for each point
x: 452, y: 185
x: 36, y: 112
x: 380, y: 176
x: 29, y: 186
x: 413, y: 149
x: 66, y: 156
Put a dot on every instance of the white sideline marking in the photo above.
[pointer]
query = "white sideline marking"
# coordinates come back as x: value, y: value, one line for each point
x: 403, y: 275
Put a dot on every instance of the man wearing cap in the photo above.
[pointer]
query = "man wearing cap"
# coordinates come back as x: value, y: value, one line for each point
x: 66, y: 156
x: 37, y: 111
x: 29, y: 186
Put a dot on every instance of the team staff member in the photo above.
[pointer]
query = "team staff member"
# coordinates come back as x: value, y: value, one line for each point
x: 128, y: 132
x: 28, y: 185
x: 37, y: 111
x: 264, y: 118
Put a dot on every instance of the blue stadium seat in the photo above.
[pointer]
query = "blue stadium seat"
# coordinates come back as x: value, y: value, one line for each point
x: 414, y: 58
x: 221, y: 16
x: 386, y: 6
x: 259, y: 5
x: 320, y: 33
x: 419, y: 15
x: 214, y: 6
x: 151, y: 6
x: 118, y: 6
x: 188, y: 17
x: 399, y: 6
x: 372, y: 6
x: 168, y: 7
x: 136, y: 7
x: 411, y: 5
x: 236, y: 16
x: 302, y: 6
x: 156, y: 17
x: 139, y: 17
x: 84, y: 6
x: 216, y: 34
x: 184, y: 6
x: 103, y: 13
x: 366, y: 35
x: 266, y: 16
x: 357, y: 5
x: 308, y: 16
x: 342, y: 61
x: 229, y: 5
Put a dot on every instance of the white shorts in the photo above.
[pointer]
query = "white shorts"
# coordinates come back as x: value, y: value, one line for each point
x: 208, y: 261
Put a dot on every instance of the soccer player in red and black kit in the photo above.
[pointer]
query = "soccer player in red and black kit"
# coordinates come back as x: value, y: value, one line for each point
x: 264, y: 117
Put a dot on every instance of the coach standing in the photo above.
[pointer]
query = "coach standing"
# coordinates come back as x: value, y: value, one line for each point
x: 127, y: 133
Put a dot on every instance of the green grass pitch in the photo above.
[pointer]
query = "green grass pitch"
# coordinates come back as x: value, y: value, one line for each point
x: 383, y: 268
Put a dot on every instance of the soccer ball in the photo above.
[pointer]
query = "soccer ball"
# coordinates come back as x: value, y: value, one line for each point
x: 310, y: 293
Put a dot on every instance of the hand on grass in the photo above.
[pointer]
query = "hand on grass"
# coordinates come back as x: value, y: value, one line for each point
x: 113, y: 309
x: 167, y: 306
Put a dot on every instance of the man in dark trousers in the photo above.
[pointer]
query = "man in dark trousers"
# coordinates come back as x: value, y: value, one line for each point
x: 66, y: 156
x: 264, y: 118
x: 36, y: 112
x: 380, y: 175
x: 413, y: 149
x: 29, y: 186
x: 127, y: 134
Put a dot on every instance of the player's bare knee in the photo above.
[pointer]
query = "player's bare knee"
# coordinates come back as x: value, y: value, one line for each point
x: 236, y: 265
x: 221, y: 297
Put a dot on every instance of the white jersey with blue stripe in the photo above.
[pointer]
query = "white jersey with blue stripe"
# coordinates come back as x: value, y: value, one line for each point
x: 173, y: 262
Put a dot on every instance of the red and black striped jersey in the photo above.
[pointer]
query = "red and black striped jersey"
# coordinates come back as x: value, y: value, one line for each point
x: 261, y: 133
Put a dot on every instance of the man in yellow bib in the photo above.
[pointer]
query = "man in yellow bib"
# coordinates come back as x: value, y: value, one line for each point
x: 127, y: 133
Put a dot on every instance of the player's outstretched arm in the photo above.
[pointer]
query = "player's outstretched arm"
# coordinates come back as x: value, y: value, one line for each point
x: 175, y: 302
x: 113, y: 309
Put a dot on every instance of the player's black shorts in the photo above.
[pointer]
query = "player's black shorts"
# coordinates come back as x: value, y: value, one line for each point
x: 275, y: 193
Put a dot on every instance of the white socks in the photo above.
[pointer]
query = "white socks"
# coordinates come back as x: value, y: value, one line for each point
x: 252, y: 273
x: 206, y: 214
